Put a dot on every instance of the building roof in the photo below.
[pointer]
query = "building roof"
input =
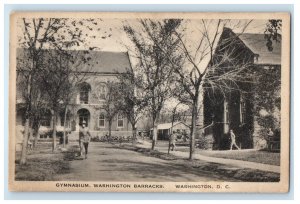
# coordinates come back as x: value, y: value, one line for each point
x: 99, y: 61
x: 164, y: 126
x: 257, y: 44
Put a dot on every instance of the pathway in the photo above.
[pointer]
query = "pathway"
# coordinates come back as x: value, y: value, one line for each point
x: 107, y: 162
x: 232, y: 162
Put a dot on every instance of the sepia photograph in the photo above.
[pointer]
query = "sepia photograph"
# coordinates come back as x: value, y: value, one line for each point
x: 149, y: 102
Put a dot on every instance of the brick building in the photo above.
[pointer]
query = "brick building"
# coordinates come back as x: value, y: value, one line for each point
x: 86, y: 105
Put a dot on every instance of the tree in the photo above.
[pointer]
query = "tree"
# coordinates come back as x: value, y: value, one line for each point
x: 36, y: 32
x: 39, y: 34
x: 273, y: 32
x: 153, y: 64
x: 38, y: 105
x: 108, y: 94
x: 59, y: 78
x: 201, y: 66
x: 131, y: 99
x: 176, y: 109
x: 267, y: 98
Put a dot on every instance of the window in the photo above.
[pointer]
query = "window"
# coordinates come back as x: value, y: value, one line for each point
x: 84, y: 97
x: 101, y: 121
x: 102, y: 91
x: 120, y: 120
x: 45, y: 120
x: 242, y: 110
x: 84, y: 93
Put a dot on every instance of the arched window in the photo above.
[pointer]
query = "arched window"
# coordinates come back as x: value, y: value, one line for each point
x: 101, y: 121
x: 120, y: 121
x: 84, y: 93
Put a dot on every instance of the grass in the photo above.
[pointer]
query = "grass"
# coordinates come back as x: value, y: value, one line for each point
x: 42, y: 164
x: 249, y: 175
x: 258, y: 156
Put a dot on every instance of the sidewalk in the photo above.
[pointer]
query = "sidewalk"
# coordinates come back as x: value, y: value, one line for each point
x: 233, y: 162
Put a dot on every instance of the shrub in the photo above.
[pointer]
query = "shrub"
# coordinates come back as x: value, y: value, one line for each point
x: 205, y: 142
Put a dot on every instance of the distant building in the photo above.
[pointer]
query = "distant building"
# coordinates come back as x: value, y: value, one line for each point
x: 165, y: 129
x: 101, y: 68
x: 235, y: 109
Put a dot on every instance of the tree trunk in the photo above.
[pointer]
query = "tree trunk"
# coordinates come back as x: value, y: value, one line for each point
x: 25, y: 142
x: 65, y: 121
x: 193, y: 128
x: 26, y: 131
x: 169, y: 147
x: 36, y: 135
x: 154, y: 136
x: 134, y: 134
x: 31, y: 130
x: 54, y: 132
x: 173, y: 118
x: 109, y: 130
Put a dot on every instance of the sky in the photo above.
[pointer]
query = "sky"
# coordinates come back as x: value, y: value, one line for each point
x: 108, y: 34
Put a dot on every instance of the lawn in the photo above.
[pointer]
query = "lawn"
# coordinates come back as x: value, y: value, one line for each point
x: 252, y: 155
x: 250, y: 175
x: 258, y: 156
x: 42, y: 164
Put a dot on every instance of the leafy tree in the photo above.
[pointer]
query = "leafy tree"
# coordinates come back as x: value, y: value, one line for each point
x: 153, y: 64
x: 267, y: 98
x: 111, y: 101
x: 273, y: 32
x: 59, y: 79
x: 37, y: 35
x: 131, y: 100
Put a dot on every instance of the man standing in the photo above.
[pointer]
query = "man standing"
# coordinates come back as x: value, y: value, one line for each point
x: 84, y: 139
x: 233, y: 142
x: 173, y: 141
x: 270, y: 139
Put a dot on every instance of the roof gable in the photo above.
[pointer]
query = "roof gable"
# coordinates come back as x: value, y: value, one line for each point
x: 257, y: 44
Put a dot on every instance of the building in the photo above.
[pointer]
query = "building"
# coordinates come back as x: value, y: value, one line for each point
x: 242, y: 108
x: 165, y: 129
x: 87, y: 103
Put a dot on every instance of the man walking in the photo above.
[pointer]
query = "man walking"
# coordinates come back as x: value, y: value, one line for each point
x: 84, y: 139
x: 233, y: 142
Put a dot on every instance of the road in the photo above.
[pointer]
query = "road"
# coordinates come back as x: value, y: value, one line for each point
x: 105, y: 162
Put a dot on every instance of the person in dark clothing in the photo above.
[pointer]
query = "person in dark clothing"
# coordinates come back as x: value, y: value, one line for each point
x: 84, y: 139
